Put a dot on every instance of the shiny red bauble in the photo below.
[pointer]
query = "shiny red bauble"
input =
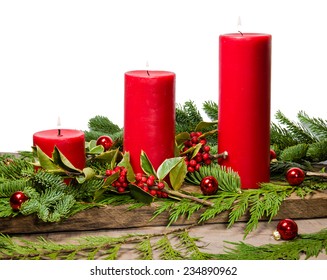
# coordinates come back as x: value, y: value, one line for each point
x: 295, y: 176
x: 272, y: 154
x: 287, y: 229
x: 17, y: 199
x: 105, y: 141
x: 209, y: 185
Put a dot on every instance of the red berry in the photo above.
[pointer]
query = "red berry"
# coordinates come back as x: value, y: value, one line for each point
x: 207, y: 162
x: 206, y: 149
x: 193, y: 162
x: 203, y: 141
x: 295, y: 176
x: 209, y: 185
x: 161, y: 185
x: 153, y: 192
x: 150, y: 182
x: 105, y: 141
x: 138, y: 177
x: 190, y: 169
x: 17, y: 199
x: 108, y: 172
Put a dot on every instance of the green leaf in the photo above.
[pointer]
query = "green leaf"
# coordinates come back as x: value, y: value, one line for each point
x: 63, y: 162
x: 146, y: 164
x: 109, y: 156
x: 112, y: 178
x: 140, y: 195
x: 126, y: 163
x: 167, y: 166
x: 178, y: 174
x: 96, y: 150
x: 203, y: 125
x: 182, y: 137
x: 46, y: 162
x: 195, y: 149
x: 88, y: 173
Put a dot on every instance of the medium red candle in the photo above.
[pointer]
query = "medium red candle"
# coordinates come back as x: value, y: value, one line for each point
x: 244, y: 105
x: 149, y: 116
x: 70, y: 142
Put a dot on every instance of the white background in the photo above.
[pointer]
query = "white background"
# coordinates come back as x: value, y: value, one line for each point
x: 68, y: 58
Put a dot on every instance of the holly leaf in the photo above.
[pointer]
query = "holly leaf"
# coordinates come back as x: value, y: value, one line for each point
x: 182, y: 137
x: 203, y: 125
x: 165, y: 168
x: 140, y: 195
x: 146, y: 164
x: 96, y: 150
x: 88, y: 173
x: 178, y: 174
x: 46, y: 162
x: 194, y: 150
x: 109, y: 156
x: 125, y: 162
x: 63, y: 162
x: 109, y: 180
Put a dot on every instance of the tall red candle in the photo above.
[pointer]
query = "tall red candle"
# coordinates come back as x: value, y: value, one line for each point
x: 244, y: 105
x: 149, y: 116
x: 70, y: 142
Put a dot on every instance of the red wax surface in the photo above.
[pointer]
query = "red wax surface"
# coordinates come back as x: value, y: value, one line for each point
x: 244, y: 105
x: 149, y: 116
x: 70, y: 142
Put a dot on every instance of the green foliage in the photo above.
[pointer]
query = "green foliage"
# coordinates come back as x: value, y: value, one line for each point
x: 307, y: 245
x: 228, y: 180
x: 176, y: 244
x: 211, y: 109
x: 300, y: 141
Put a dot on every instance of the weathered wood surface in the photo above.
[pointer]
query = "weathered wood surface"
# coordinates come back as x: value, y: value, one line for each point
x: 119, y: 217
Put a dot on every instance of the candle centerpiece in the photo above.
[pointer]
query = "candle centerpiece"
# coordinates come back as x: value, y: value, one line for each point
x: 244, y: 105
x: 70, y: 142
x: 149, y: 116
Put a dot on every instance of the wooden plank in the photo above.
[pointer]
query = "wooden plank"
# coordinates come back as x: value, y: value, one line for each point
x: 119, y: 217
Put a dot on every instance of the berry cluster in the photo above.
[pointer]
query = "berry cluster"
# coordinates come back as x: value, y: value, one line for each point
x: 150, y: 185
x: 202, y: 157
x: 121, y: 183
x: 146, y: 183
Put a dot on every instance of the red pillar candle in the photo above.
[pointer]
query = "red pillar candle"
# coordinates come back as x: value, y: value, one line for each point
x: 149, y: 116
x: 70, y: 142
x: 244, y: 105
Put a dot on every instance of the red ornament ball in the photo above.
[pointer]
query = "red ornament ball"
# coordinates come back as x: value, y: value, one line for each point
x: 209, y: 185
x: 105, y: 141
x: 17, y: 199
x: 272, y: 154
x: 295, y: 176
x: 286, y: 229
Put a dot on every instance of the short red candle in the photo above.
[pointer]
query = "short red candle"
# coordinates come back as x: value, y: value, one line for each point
x: 244, y: 105
x: 70, y: 142
x: 149, y: 116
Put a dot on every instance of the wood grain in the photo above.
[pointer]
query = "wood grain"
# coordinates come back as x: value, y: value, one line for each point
x: 119, y: 217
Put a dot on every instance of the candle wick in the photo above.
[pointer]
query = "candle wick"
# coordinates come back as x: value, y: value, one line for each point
x: 147, y: 71
x: 59, y: 132
x: 241, y: 33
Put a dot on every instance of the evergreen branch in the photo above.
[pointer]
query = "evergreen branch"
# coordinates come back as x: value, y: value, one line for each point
x: 193, y: 251
x: 294, y: 153
x: 281, y: 137
x: 103, y: 124
x: 298, y: 131
x: 309, y: 245
x: 167, y: 251
x: 211, y: 109
x: 145, y: 249
x: 317, y: 126
x: 317, y: 151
